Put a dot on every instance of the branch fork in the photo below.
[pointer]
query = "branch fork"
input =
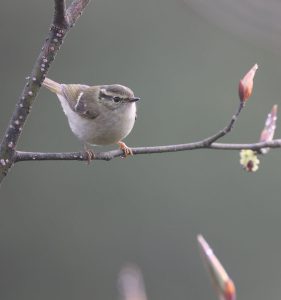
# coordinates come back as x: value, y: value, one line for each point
x: 62, y: 22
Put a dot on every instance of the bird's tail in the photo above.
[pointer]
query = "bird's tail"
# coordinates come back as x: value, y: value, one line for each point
x: 53, y: 86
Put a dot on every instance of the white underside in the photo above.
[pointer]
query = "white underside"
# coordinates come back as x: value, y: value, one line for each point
x: 108, y: 128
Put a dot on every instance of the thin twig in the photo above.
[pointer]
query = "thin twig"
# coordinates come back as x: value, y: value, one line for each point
x: 48, y: 52
x: 227, y: 129
x: 108, y: 155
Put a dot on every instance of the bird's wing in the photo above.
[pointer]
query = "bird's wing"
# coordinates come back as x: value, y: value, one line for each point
x: 82, y: 100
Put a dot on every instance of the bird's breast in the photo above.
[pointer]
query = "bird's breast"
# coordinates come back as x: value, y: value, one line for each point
x: 109, y: 127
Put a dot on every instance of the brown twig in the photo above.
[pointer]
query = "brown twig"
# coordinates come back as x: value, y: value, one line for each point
x: 62, y: 22
x: 225, y: 130
x: 108, y: 155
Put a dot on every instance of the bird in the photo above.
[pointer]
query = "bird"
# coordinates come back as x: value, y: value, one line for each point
x: 97, y: 115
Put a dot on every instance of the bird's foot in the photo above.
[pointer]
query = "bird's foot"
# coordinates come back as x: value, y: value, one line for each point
x: 127, y: 150
x: 90, y: 154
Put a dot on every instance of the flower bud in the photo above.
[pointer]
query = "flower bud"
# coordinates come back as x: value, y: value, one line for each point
x: 246, y: 84
x: 229, y: 290
x: 249, y: 160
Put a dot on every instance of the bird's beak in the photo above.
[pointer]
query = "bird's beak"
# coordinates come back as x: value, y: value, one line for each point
x: 134, y: 99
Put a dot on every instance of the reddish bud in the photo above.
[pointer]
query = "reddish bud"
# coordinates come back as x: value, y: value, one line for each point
x: 246, y: 84
x: 229, y: 290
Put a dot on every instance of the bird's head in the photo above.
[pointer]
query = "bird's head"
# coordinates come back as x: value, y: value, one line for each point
x: 116, y: 95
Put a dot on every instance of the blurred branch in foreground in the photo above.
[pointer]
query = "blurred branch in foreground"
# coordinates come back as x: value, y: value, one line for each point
x: 222, y: 284
x: 131, y: 284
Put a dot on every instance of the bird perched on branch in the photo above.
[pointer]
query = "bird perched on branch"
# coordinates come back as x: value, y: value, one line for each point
x: 97, y: 115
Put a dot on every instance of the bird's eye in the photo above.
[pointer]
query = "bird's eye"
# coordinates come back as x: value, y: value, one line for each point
x: 116, y: 99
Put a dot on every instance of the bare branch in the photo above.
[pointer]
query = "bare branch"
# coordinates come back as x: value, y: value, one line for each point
x: 75, y: 10
x: 227, y: 129
x: 59, y: 14
x: 46, y: 56
x: 108, y: 155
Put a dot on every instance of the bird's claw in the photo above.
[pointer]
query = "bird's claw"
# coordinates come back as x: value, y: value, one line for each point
x: 127, y: 150
x: 90, y: 155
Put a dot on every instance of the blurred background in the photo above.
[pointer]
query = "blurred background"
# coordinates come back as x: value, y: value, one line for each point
x: 66, y: 229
